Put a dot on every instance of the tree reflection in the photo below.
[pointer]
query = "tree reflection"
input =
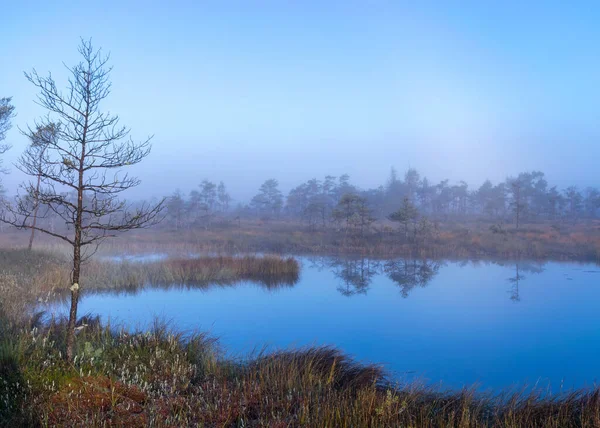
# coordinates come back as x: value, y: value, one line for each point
x: 356, y: 275
x: 515, y: 281
x: 409, y: 274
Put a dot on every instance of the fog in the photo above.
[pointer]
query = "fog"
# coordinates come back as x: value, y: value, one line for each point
x: 243, y: 93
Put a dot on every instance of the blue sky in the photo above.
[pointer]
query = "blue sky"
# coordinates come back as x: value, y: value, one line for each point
x: 244, y: 91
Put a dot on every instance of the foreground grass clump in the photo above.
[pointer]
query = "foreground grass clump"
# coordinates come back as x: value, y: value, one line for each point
x: 163, y: 378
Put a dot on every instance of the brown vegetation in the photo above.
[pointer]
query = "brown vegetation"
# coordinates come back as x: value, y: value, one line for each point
x: 568, y: 241
x: 578, y: 241
x: 28, y: 278
x: 161, y: 378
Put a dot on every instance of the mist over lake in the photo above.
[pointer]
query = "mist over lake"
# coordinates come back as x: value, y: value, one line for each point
x: 299, y: 214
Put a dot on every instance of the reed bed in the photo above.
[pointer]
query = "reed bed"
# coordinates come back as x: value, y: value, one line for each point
x: 204, y: 272
x: 266, y: 270
x: 29, y: 278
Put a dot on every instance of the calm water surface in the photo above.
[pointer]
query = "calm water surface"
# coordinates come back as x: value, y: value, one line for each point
x: 449, y: 323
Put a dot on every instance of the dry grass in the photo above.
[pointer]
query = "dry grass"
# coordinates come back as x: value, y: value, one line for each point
x: 162, y: 378
x: 578, y: 241
x: 549, y: 241
x: 29, y: 277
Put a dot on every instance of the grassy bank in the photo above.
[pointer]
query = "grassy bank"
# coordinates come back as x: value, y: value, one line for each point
x: 162, y: 378
x: 563, y: 241
x: 165, y: 378
x: 477, y: 240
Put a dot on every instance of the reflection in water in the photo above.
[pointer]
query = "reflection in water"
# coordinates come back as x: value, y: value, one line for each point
x: 135, y: 289
x: 463, y: 327
x: 135, y: 286
x: 409, y: 274
x: 357, y: 275
x: 516, y: 280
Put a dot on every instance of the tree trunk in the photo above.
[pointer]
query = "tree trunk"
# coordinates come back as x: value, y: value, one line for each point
x: 74, y: 296
x: 77, y: 241
x: 76, y: 272
x: 35, y: 212
x: 76, y: 262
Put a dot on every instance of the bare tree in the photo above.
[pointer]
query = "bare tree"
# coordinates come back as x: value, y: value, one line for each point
x: 34, y: 155
x: 517, y: 200
x: 7, y: 112
x: 85, y: 159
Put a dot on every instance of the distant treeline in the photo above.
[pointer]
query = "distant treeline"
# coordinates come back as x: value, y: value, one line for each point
x: 335, y: 201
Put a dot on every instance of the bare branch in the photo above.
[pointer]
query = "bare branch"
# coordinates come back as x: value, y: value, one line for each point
x: 77, y: 156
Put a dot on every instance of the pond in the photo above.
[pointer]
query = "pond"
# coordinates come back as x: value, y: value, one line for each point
x: 449, y: 324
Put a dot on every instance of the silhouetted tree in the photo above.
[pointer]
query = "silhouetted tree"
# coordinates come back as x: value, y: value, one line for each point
x: 375, y: 199
x: 7, y: 112
x: 269, y: 200
x: 346, y: 210
x: 517, y: 202
x: 344, y: 187
x: 175, y: 206
x: 223, y: 197
x: 306, y: 201
x: 405, y: 215
x: 555, y: 202
x: 328, y: 195
x: 574, y: 201
x: 524, y: 198
x: 363, y: 218
x: 411, y: 182
x: 592, y: 201
x: 40, y: 139
x: 460, y: 196
x: 89, y: 151
x: 425, y: 195
x: 207, y: 201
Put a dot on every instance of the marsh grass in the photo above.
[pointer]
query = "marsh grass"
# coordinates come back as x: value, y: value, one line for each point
x: 545, y: 240
x: 165, y: 378
x: 162, y: 377
x: 203, y: 272
x: 28, y: 279
x: 579, y: 241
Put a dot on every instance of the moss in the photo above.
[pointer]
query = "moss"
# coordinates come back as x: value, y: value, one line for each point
x: 97, y: 401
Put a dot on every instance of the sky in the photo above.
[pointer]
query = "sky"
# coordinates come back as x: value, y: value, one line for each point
x: 250, y: 90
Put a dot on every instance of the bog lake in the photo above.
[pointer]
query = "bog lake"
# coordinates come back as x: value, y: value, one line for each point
x: 495, y: 325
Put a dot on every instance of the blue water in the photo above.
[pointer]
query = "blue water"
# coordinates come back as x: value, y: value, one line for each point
x: 444, y: 323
